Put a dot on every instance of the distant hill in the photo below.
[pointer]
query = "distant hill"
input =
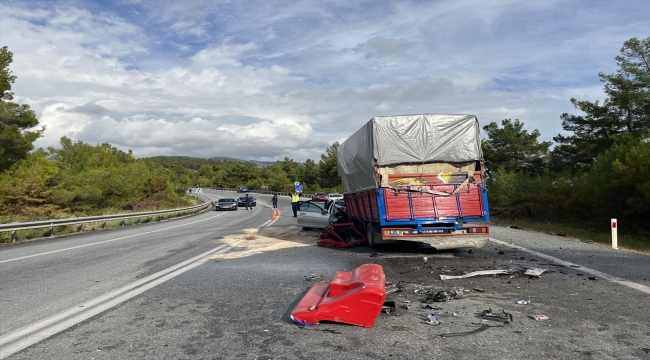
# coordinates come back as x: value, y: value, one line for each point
x: 260, y: 163
x: 195, y: 163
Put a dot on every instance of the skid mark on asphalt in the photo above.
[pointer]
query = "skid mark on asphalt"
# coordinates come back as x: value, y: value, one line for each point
x: 630, y: 284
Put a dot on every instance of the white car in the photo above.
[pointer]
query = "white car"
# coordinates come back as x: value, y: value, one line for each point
x: 334, y: 196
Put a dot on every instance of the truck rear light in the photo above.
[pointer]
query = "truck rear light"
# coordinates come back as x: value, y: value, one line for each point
x: 477, y: 230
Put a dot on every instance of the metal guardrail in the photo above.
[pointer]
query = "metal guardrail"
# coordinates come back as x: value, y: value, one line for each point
x: 13, y: 227
x: 283, y: 193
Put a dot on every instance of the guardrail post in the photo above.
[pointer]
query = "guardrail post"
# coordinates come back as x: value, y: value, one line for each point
x: 150, y: 218
x: 13, y: 236
x: 80, y: 227
x: 122, y: 224
x: 137, y: 221
x: 51, y: 229
x: 104, y: 224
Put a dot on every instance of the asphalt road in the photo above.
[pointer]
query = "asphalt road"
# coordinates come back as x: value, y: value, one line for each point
x: 235, y: 302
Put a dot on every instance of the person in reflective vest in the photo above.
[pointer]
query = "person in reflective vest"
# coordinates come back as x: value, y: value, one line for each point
x: 294, y: 203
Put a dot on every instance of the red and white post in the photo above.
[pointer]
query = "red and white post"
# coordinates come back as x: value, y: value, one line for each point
x: 614, y: 234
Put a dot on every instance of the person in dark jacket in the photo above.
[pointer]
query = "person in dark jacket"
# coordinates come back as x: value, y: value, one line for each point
x: 247, y: 201
x: 274, y: 200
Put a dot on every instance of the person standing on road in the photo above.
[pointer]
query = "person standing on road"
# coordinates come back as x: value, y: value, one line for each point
x: 274, y: 200
x: 247, y: 201
x: 294, y: 203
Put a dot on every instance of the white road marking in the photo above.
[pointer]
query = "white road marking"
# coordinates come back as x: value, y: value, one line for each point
x: 269, y: 222
x: 630, y: 284
x: 106, y: 241
x: 31, y: 334
x: 265, y: 224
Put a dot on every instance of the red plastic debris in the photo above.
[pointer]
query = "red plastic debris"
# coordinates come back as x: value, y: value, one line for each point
x: 354, y: 297
x: 330, y: 236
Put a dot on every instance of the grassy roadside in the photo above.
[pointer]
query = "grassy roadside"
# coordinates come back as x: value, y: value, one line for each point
x: 33, y: 234
x: 637, y: 241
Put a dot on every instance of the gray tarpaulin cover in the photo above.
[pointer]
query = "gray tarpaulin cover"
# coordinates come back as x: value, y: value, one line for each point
x: 406, y: 139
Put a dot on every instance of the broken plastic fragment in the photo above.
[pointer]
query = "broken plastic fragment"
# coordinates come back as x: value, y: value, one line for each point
x: 535, y: 272
x: 433, y: 321
x: 540, y: 317
x: 389, y: 305
x: 523, y: 302
x: 476, y: 273
x: 300, y: 323
x: 442, y: 296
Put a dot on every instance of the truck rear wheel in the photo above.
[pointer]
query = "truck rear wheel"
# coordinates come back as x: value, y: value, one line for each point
x: 370, y: 235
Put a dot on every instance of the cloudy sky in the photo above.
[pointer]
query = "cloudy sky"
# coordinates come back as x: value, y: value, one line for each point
x: 267, y: 79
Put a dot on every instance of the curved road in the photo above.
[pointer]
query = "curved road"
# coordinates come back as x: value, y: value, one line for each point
x: 198, y: 287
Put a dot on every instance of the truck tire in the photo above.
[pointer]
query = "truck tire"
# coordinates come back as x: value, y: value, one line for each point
x: 370, y: 235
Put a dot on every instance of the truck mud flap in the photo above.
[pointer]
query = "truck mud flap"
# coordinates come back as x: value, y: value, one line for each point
x: 354, y: 297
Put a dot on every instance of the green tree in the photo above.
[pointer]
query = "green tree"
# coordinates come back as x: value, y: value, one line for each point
x: 618, y: 184
x: 240, y: 173
x: 514, y: 149
x: 206, y: 176
x: 626, y: 109
x: 328, y: 168
x: 294, y: 170
x: 310, y: 179
x: 276, y: 179
x: 25, y: 188
x: 16, y: 140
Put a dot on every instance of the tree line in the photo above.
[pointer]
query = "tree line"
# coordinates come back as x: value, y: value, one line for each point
x: 280, y: 176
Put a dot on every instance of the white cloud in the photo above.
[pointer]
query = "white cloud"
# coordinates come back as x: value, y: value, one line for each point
x: 226, y: 54
x: 380, y: 46
x: 265, y: 80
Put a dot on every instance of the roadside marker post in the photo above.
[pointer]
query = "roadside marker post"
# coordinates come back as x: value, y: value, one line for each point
x: 614, y: 234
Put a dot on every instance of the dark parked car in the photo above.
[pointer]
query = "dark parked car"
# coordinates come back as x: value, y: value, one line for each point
x: 225, y: 204
x: 243, y: 189
x: 319, y: 196
x: 242, y: 201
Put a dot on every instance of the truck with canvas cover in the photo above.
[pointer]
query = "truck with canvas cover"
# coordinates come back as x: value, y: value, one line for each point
x: 417, y: 178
